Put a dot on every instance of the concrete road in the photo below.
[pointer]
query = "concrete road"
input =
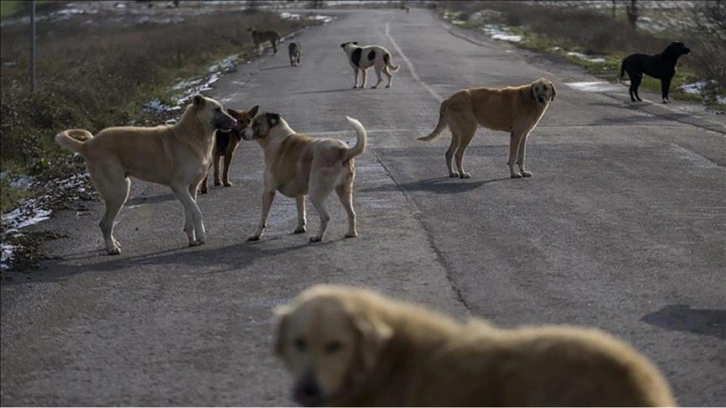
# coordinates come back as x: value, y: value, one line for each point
x: 623, y: 227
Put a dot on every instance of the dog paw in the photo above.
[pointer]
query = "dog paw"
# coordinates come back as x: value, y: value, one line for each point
x: 465, y: 175
x: 453, y: 174
x: 516, y: 175
x: 299, y: 230
x: 526, y: 173
x: 114, y: 251
x: 351, y: 234
x: 195, y: 243
x: 228, y: 184
x: 217, y: 183
x: 388, y: 86
x: 254, y: 238
x: 315, y: 239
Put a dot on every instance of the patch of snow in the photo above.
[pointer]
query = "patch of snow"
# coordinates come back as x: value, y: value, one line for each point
x: 6, y: 258
x: 593, y: 86
x: 498, y: 33
x: 695, y: 88
x: 585, y: 57
x: 458, y: 22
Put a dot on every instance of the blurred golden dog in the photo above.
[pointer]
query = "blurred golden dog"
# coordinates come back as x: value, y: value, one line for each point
x: 515, y: 110
x: 352, y: 347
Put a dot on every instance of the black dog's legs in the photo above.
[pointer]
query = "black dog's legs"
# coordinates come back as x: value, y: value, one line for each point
x: 634, y: 84
x: 665, y: 85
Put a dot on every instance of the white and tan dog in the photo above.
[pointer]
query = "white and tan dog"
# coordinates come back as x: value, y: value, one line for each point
x: 349, y: 346
x: 298, y: 165
x: 362, y: 58
x: 515, y: 110
x: 176, y: 155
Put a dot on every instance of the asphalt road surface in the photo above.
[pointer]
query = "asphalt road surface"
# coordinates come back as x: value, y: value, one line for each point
x: 623, y: 227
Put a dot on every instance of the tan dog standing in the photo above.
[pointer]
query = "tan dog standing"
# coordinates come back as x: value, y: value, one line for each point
x: 298, y: 165
x: 515, y: 110
x: 176, y: 155
x: 347, y: 346
x: 225, y: 144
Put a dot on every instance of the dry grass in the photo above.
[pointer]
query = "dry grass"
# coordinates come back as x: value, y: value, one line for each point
x: 98, y: 75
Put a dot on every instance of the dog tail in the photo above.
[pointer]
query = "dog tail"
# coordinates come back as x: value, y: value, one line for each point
x: 360, y: 144
x: 74, y: 140
x: 387, y: 60
x: 439, y: 126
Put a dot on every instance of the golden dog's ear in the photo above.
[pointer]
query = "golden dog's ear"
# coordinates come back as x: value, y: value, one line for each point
x: 374, y: 334
x: 282, y: 314
x: 198, y: 101
x: 554, y: 92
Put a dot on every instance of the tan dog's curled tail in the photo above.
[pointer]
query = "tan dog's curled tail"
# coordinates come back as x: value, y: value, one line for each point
x: 439, y: 126
x: 360, y: 144
x: 74, y: 139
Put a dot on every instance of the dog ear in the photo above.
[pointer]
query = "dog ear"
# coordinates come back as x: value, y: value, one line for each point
x: 273, y: 119
x: 253, y: 112
x: 282, y: 315
x: 355, y: 42
x: 198, y: 101
x: 374, y: 334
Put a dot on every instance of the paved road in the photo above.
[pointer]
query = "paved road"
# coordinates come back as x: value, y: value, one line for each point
x: 622, y: 227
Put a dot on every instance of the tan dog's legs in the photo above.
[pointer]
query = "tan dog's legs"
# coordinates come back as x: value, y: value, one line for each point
x: 521, y: 155
x: 193, y: 223
x: 113, y: 187
x: 346, y: 198
x: 267, y: 197
x: 515, y: 141
x: 301, y: 219
x: 462, y: 131
x: 319, y: 190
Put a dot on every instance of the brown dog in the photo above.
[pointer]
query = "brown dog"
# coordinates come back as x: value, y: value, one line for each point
x: 352, y: 347
x: 225, y: 145
x: 515, y: 110
x: 297, y: 165
x: 176, y: 155
x: 260, y: 37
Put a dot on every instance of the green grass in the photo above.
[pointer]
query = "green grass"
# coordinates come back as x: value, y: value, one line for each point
x: 9, y: 8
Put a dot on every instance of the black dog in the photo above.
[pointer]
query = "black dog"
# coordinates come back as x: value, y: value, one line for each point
x: 661, y: 66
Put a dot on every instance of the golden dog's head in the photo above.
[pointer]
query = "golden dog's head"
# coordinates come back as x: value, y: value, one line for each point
x: 212, y: 114
x: 329, y: 342
x: 543, y: 90
x: 262, y: 125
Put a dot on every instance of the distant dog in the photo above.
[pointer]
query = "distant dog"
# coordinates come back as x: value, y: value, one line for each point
x: 361, y: 58
x: 225, y: 145
x: 661, y: 66
x: 260, y: 37
x: 176, y: 155
x: 298, y: 165
x: 294, y: 50
x: 348, y: 346
x: 515, y: 110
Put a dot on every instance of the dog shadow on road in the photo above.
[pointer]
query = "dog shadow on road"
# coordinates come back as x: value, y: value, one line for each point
x: 325, y: 91
x: 275, y: 67
x: 657, y: 116
x: 227, y: 258
x: 439, y: 185
x: 680, y: 317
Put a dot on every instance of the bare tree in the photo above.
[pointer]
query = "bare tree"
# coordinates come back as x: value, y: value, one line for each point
x: 632, y: 11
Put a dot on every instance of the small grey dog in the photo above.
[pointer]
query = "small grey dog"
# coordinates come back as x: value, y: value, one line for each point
x: 295, y: 51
